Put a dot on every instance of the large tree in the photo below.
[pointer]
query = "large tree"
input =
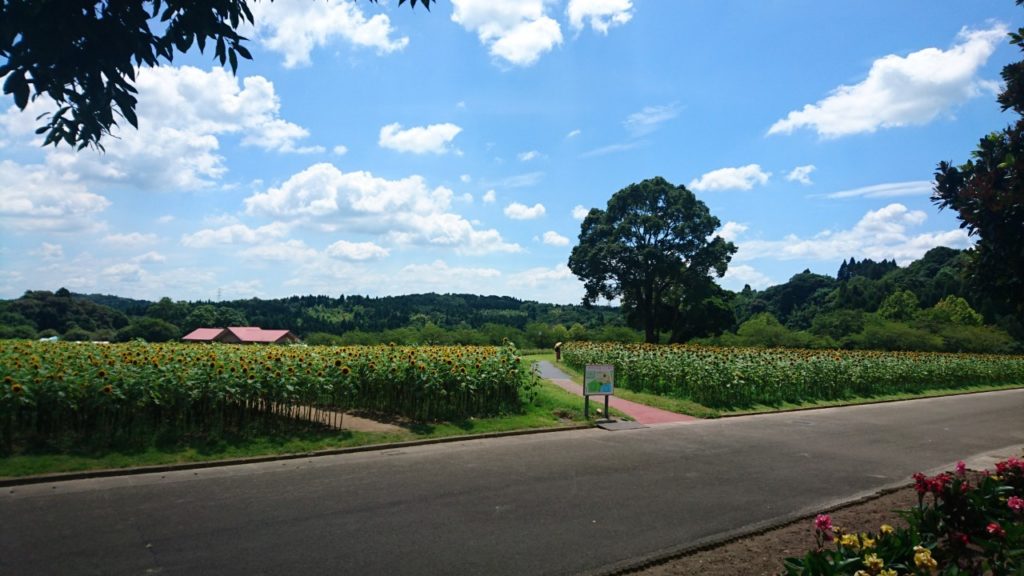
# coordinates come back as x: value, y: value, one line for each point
x: 988, y: 194
x: 655, y: 248
x: 83, y: 54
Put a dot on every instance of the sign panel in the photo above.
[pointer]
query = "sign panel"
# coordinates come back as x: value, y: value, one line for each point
x: 599, y: 380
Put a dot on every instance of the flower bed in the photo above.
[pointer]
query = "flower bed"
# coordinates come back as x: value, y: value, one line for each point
x: 964, y: 523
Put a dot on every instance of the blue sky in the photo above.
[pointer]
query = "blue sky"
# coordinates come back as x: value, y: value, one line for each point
x: 374, y: 149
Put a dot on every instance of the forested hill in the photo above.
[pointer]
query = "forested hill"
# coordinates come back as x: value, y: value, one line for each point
x: 927, y: 305
x: 492, y: 318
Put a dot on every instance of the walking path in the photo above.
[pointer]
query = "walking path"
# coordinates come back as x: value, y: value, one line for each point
x: 639, y: 412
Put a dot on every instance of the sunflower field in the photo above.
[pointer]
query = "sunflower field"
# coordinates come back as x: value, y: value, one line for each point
x: 60, y: 390
x: 729, y: 378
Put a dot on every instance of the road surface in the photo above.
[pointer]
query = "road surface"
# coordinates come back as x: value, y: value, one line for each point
x: 562, y: 503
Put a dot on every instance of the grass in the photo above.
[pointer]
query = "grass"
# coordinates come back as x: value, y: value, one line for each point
x: 689, y: 407
x: 552, y: 407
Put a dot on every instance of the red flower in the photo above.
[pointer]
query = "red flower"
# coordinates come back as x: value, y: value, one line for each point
x: 996, y: 530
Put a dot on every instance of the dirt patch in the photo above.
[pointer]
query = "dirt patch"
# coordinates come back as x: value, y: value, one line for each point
x: 762, y: 554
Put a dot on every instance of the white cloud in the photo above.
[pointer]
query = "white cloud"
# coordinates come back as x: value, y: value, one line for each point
x: 235, y: 234
x: 650, y: 118
x: 517, y: 211
x: 340, y: 150
x: 123, y: 273
x: 555, y: 284
x: 438, y: 276
x: 600, y: 14
x: 731, y: 230
x: 49, y: 251
x: 742, y: 178
x: 579, y: 212
x: 165, y: 219
x: 518, y: 181
x: 151, y: 256
x: 295, y: 29
x: 405, y: 211
x: 34, y: 198
x: 611, y: 149
x: 888, y: 190
x: 552, y: 238
x: 465, y: 178
x: 880, y: 234
x: 130, y: 239
x: 527, y: 156
x: 901, y: 91
x: 490, y: 197
x: 517, y: 31
x: 183, y: 113
x: 419, y: 140
x: 356, y: 251
x: 736, y: 276
x: 279, y: 251
x: 801, y: 174
x: 574, y: 133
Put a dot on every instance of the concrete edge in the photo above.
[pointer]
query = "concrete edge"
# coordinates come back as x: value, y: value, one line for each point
x: 12, y: 481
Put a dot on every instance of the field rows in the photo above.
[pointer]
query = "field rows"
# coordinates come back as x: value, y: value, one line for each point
x: 52, y: 390
x: 727, y: 378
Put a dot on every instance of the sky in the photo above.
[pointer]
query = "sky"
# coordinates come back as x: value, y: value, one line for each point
x: 375, y: 149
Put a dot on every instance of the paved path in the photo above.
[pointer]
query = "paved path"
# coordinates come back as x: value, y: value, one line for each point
x: 639, y: 412
x: 565, y: 503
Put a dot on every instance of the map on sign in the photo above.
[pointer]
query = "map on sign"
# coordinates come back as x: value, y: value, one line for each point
x: 599, y: 379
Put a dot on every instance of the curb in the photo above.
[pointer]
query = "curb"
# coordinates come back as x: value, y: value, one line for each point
x: 111, y: 472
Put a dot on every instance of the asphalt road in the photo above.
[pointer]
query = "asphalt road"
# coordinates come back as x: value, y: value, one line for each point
x: 562, y: 503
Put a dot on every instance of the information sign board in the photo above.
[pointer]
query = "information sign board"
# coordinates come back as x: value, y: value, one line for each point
x: 599, y: 380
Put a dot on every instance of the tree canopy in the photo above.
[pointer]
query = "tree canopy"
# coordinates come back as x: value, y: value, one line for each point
x: 655, y: 248
x: 988, y: 194
x: 83, y: 54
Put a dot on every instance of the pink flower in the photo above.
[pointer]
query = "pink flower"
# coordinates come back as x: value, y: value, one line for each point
x: 1016, y: 503
x: 996, y: 530
x: 822, y: 523
x: 961, y: 468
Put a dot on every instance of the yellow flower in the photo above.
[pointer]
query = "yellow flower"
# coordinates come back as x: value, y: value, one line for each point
x: 888, y: 572
x: 861, y: 573
x: 866, y: 542
x: 850, y: 541
x: 873, y: 562
x: 886, y: 529
x: 923, y: 558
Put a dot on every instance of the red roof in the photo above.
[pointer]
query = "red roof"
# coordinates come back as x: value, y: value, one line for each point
x: 253, y: 334
x: 240, y: 333
x: 203, y: 334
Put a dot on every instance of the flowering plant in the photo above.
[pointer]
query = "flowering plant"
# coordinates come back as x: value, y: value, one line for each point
x: 964, y: 523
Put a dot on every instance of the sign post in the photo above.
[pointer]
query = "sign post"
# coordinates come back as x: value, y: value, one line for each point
x: 598, y: 380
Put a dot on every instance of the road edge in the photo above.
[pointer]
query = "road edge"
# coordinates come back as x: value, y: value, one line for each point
x: 13, y: 481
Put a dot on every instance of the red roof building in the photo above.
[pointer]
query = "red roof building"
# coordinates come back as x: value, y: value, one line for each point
x: 241, y: 335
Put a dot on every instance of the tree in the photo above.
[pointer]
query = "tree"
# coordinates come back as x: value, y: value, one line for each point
x: 988, y: 194
x: 83, y: 54
x: 653, y: 245
x: 900, y: 306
